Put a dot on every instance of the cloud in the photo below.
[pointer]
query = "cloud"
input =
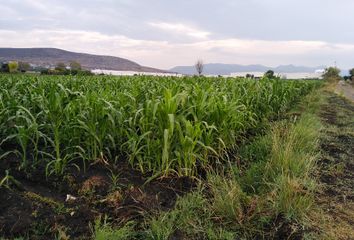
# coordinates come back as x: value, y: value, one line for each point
x: 164, y: 54
x: 179, y: 28
x: 162, y: 34
x: 7, y: 12
x: 262, y: 47
x: 36, y: 4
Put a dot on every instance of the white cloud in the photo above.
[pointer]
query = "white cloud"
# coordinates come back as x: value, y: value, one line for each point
x: 163, y: 54
x: 7, y: 12
x: 182, y: 29
x: 37, y: 4
x: 262, y: 47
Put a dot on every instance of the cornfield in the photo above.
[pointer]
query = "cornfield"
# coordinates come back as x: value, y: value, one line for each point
x: 160, y: 125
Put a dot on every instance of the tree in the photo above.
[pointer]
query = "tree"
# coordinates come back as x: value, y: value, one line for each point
x: 4, y: 67
x: 251, y: 76
x: 24, y: 66
x: 61, y: 67
x: 13, y: 66
x: 45, y: 71
x: 199, y: 67
x: 74, y: 65
x: 351, y: 73
x: 351, y: 76
x: 331, y: 74
x: 269, y: 74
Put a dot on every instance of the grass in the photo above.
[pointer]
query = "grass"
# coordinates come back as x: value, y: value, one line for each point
x: 102, y: 230
x: 57, y: 206
x: 229, y: 201
x: 191, y: 219
x: 8, y: 181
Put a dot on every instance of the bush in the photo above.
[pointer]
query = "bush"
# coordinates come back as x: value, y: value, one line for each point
x: 331, y: 74
x: 13, y: 66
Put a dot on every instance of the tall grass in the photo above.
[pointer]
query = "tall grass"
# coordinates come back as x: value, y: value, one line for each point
x: 270, y: 193
x: 161, y: 125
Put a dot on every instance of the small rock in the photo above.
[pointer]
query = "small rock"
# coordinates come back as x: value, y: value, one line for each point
x: 70, y: 198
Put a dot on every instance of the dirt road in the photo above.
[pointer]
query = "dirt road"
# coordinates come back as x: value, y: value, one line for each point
x: 336, y: 167
x: 346, y: 90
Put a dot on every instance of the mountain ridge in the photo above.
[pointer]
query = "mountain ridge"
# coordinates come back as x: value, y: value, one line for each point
x: 226, y: 69
x: 51, y: 56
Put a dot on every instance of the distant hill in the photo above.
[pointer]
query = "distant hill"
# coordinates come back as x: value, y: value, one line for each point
x: 226, y: 69
x: 51, y: 56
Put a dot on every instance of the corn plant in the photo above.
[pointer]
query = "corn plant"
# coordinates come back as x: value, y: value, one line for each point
x: 159, y: 124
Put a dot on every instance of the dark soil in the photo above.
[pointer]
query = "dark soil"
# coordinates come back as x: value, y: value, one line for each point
x: 37, y: 208
x: 337, y: 164
x: 336, y: 168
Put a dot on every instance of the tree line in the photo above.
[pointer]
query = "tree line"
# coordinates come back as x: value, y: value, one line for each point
x: 333, y: 74
x: 73, y: 68
x: 330, y: 73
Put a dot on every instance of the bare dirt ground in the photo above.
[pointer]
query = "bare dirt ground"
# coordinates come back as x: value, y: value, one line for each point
x: 346, y: 90
x: 37, y: 208
x: 336, y: 168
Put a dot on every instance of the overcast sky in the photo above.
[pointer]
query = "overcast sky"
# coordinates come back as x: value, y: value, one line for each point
x: 166, y: 33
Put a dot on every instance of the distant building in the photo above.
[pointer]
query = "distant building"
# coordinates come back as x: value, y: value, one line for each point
x: 132, y: 73
x: 313, y: 75
x: 245, y: 74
